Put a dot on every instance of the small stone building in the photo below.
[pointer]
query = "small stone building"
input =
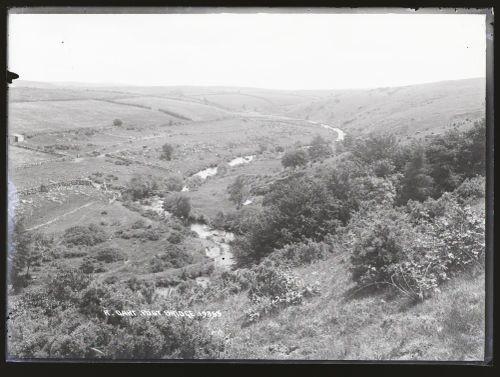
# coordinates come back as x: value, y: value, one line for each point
x: 17, y: 138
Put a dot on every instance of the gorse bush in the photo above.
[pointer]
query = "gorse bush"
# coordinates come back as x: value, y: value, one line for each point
x: 416, y: 255
x: 471, y: 189
x: 66, y: 284
x: 84, y: 235
x: 109, y: 254
x: 301, y: 253
x: 273, y: 289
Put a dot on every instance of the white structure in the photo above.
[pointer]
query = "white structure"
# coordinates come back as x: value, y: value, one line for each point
x: 17, y: 138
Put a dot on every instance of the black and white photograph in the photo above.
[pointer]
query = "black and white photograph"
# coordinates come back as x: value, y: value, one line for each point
x: 233, y: 185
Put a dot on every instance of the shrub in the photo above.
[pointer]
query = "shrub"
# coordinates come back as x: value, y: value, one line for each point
x: 194, y: 181
x: 239, y: 190
x: 274, y: 289
x: 65, y: 285
x: 320, y: 148
x: 416, y: 258
x: 74, y: 253
x: 164, y: 337
x: 294, y: 158
x: 178, y: 205
x: 471, y: 189
x: 90, y: 265
x: 140, y: 187
x: 167, y: 151
x: 176, y: 257
x: 156, y: 265
x: 138, y: 224
x: 84, y: 235
x: 175, y: 237
x: 174, y: 183
x: 301, y: 253
x: 109, y: 254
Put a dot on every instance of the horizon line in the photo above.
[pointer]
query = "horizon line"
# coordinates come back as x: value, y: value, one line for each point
x: 105, y: 84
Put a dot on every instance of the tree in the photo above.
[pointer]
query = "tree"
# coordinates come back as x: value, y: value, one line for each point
x: 472, y: 155
x: 417, y: 184
x: 178, y: 205
x: 140, y: 186
x: 24, y: 256
x: 294, y: 210
x: 238, y: 191
x: 373, y: 148
x: 294, y: 158
x: 319, y: 148
x: 167, y: 151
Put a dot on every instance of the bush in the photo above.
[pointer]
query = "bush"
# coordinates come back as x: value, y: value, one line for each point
x: 178, y: 205
x: 294, y: 158
x: 471, y: 189
x: 416, y: 256
x: 164, y: 337
x: 109, y: 254
x: 84, y: 235
x: 167, y: 151
x: 138, y: 224
x: 274, y: 289
x: 175, y: 237
x: 301, y: 253
x: 90, y: 265
x: 176, y: 257
x: 140, y: 187
x: 66, y: 284
x: 174, y: 183
x: 156, y: 265
x: 194, y: 181
x: 320, y: 148
x: 74, y: 253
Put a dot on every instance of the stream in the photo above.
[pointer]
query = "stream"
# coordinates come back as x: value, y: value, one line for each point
x: 215, y: 241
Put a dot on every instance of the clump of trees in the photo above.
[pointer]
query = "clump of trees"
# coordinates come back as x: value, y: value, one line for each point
x: 178, y: 205
x: 320, y: 148
x: 376, y: 193
x: 294, y: 158
x: 140, y: 186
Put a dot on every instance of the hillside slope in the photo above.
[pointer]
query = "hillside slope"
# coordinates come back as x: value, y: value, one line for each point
x: 405, y: 110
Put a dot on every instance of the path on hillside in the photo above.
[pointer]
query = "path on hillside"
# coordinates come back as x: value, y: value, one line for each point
x: 340, y: 133
x: 61, y: 216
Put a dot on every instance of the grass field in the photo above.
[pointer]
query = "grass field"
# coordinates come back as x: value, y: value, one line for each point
x: 43, y: 116
x: 21, y: 156
x: 186, y: 109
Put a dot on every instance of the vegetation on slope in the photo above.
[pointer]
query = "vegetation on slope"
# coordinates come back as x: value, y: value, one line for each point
x: 381, y: 241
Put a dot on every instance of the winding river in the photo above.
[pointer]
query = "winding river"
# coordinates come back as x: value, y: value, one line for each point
x: 215, y: 241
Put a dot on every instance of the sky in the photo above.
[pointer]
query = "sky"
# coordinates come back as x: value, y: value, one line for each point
x: 276, y: 51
